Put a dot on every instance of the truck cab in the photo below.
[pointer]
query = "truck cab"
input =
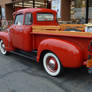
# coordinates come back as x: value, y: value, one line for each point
x: 20, y: 31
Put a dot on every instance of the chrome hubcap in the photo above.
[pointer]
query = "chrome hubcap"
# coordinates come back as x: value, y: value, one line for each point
x: 52, y: 64
x: 2, y: 47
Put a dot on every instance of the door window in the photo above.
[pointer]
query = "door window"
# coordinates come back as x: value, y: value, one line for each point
x: 28, y: 19
x: 19, y: 19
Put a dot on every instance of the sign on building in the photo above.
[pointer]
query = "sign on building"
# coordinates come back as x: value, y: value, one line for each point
x: 56, y: 5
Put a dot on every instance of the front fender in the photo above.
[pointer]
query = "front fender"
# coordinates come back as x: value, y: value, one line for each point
x: 6, y: 39
x: 68, y: 53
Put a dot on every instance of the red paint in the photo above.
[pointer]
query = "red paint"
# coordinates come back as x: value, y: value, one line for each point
x: 72, y: 51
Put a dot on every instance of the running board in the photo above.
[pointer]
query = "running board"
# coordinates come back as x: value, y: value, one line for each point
x: 29, y: 55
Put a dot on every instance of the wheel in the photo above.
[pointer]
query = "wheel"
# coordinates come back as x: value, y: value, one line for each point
x: 2, y: 48
x: 52, y: 64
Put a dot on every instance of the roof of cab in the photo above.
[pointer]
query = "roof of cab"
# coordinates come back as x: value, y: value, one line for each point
x: 34, y: 10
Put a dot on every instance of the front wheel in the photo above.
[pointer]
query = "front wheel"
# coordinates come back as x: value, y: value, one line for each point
x: 52, y: 64
x: 2, y: 48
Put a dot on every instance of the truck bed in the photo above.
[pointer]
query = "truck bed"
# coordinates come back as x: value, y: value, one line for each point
x: 82, y: 39
x: 56, y: 30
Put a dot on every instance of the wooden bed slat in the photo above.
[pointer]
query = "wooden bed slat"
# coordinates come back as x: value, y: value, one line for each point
x: 46, y: 27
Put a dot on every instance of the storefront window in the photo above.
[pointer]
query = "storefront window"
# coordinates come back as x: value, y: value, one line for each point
x: 78, y: 11
x: 90, y: 12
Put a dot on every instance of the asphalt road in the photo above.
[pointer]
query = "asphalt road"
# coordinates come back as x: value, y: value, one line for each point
x: 19, y: 74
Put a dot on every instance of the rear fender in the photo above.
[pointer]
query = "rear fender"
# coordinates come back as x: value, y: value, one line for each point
x: 68, y: 53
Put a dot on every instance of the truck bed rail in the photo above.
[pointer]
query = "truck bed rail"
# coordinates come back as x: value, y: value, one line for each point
x: 45, y: 30
x: 46, y: 27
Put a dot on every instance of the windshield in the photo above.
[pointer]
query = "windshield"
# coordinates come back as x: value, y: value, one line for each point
x: 45, y: 17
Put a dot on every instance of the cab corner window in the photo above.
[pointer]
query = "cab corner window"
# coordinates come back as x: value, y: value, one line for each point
x: 19, y: 19
x: 28, y: 19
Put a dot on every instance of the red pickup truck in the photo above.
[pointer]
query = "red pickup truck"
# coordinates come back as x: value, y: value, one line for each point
x: 35, y: 33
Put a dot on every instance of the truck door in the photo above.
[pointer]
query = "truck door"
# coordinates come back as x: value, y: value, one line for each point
x: 17, y: 33
x: 28, y: 41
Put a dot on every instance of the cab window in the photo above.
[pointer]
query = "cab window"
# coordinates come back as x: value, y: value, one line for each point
x: 28, y: 19
x: 19, y: 19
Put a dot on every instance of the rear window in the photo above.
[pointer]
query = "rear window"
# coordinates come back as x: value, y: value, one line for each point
x: 45, y: 17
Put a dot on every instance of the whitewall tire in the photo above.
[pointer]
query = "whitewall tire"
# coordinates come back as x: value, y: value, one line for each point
x: 2, y: 47
x: 52, y: 65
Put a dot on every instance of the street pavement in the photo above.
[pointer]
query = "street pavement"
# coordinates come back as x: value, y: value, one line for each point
x: 19, y: 74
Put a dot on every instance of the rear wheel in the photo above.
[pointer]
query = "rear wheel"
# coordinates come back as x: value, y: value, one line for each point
x: 52, y: 64
x: 2, y: 48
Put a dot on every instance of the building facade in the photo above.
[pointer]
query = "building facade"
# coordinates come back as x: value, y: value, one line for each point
x: 74, y: 11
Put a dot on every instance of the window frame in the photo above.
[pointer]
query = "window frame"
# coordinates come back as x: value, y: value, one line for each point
x: 31, y: 18
x: 45, y: 20
x: 16, y: 17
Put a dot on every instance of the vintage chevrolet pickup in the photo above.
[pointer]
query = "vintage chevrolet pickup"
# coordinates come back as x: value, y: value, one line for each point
x: 36, y: 34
